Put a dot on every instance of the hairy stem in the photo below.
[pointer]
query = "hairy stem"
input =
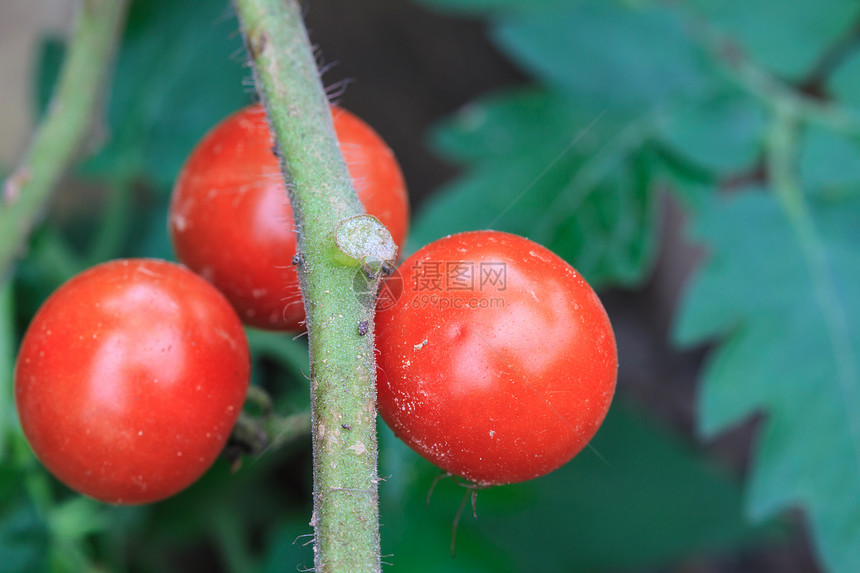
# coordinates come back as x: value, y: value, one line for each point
x: 346, y: 513
x: 65, y: 126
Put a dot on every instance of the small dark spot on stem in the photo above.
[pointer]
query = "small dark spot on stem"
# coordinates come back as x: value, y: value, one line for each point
x: 363, y: 327
x: 298, y: 259
x: 257, y: 41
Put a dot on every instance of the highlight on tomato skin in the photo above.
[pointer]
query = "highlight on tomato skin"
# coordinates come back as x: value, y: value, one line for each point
x: 497, y: 362
x: 130, y: 378
x: 230, y: 219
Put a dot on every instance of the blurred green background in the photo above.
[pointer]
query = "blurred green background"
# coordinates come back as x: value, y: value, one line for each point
x: 698, y: 161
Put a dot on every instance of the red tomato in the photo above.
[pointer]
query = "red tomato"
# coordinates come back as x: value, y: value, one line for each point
x: 497, y: 362
x: 130, y: 378
x: 231, y: 221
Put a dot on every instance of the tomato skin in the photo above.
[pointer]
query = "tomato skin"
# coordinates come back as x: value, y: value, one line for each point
x: 231, y: 221
x: 498, y: 380
x: 130, y: 378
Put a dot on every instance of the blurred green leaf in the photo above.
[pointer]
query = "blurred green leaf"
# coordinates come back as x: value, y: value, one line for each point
x: 291, y: 353
x: 51, y: 54
x: 635, y: 483
x: 78, y: 517
x: 845, y: 81
x: 416, y: 536
x: 49, y: 262
x: 481, y: 6
x: 24, y: 536
x: 564, y: 173
x: 178, y: 73
x: 620, y: 56
x: 8, y: 344
x: 830, y: 163
x: 785, y: 302
x: 290, y: 546
x: 147, y: 230
x: 24, y: 540
x: 786, y: 36
x: 689, y: 182
x: 721, y: 132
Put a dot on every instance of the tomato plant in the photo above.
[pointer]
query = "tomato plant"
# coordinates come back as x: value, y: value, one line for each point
x: 231, y: 221
x: 497, y: 362
x: 130, y: 378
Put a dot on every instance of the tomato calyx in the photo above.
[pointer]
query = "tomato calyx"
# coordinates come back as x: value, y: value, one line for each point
x: 259, y: 428
x: 248, y: 438
x: 471, y: 493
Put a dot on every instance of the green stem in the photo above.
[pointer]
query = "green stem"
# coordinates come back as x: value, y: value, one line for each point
x: 767, y: 88
x: 65, y: 126
x: 343, y: 371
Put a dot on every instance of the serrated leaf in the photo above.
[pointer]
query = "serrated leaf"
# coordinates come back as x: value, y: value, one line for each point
x: 785, y: 36
x: 782, y: 292
x: 636, y: 482
x: 621, y: 56
x: 177, y: 74
x: 558, y: 171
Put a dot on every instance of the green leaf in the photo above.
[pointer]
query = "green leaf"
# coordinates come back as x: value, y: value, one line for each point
x: 50, y: 60
x: 557, y: 170
x: 691, y: 186
x: 623, y: 57
x: 636, y: 483
x: 78, y: 517
x: 24, y: 536
x: 786, y: 36
x: 844, y: 83
x: 722, y: 132
x: 177, y: 74
x: 289, y: 546
x: 481, y: 6
x: 782, y: 294
x: 292, y: 354
x: 830, y: 163
x: 8, y: 343
x: 508, y: 124
x: 23, y: 541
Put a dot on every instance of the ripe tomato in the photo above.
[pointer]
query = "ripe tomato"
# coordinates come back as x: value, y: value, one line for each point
x: 231, y: 221
x: 130, y: 378
x: 497, y: 362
